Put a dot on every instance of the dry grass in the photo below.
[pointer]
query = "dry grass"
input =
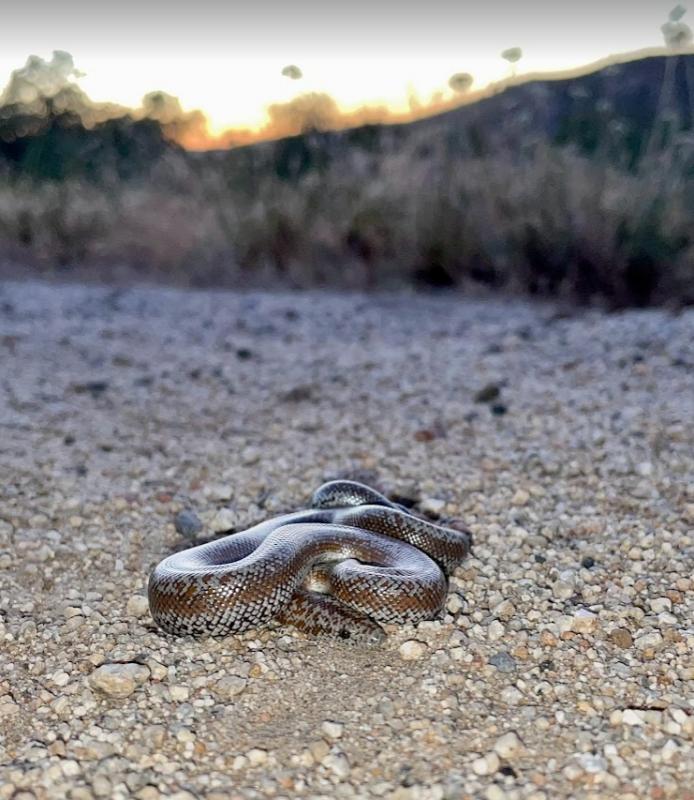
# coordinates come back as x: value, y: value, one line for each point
x: 544, y: 220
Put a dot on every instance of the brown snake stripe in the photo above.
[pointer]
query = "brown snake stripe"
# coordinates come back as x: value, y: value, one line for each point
x: 351, y: 561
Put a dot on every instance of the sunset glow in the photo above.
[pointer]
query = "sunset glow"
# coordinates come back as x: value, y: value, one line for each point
x: 228, y: 61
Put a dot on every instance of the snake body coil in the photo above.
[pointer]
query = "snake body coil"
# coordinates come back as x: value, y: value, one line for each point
x: 351, y: 561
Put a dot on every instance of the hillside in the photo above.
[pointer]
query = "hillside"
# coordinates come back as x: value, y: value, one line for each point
x: 580, y: 187
x: 614, y: 107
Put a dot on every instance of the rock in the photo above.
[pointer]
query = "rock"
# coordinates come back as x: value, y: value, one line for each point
x: 229, y: 686
x: 179, y: 693
x: 338, y: 764
x: 495, y: 631
x: 503, y: 661
x: 511, y: 696
x: 138, y: 606
x: 319, y: 750
x: 257, y: 756
x: 591, y: 763
x: 509, y: 746
x: 498, y: 409
x: 487, y: 765
x: 488, y: 393
x: 298, y: 394
x: 584, y: 621
x: 432, y: 505
x: 219, y: 491
x: 621, y: 638
x: 660, y: 604
x: 224, y: 520
x: 250, y: 455
x: 669, y: 750
x: 647, y: 640
x: 333, y: 730
x: 94, y: 388
x: 411, y: 650
x: 562, y: 590
x: 118, y: 680
x: 633, y: 716
x: 504, y: 610
x: 520, y: 498
x: 187, y: 523
x: 455, y: 603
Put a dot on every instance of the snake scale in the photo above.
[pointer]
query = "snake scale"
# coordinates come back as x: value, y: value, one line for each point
x: 351, y: 561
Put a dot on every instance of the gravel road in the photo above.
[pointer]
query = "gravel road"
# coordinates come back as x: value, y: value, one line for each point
x: 564, y: 665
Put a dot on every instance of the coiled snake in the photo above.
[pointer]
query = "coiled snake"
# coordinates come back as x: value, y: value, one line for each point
x: 351, y: 561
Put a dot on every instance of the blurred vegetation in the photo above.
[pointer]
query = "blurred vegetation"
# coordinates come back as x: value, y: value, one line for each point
x: 581, y: 188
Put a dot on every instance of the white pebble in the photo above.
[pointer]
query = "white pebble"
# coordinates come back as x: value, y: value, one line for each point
x: 229, y: 686
x: 257, y: 756
x: 138, y: 606
x: 338, y: 764
x: 333, y: 730
x: 632, y: 716
x: 118, y: 680
x: 660, y: 604
x: 487, y: 765
x: 178, y: 693
x: 432, y: 505
x: 520, y: 498
x: 495, y: 631
x: 584, y: 621
x: 653, y: 639
x: 224, y: 520
x: 411, y: 650
x: 508, y: 745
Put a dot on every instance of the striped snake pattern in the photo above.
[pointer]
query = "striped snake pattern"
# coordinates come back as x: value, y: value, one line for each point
x: 353, y: 560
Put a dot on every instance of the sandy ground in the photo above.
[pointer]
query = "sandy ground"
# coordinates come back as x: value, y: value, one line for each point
x: 564, y: 665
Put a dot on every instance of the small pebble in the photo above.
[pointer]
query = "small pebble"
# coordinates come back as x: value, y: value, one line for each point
x: 338, y: 764
x: 138, y: 606
x: 118, y: 680
x: 411, y: 650
x: 223, y: 521
x: 508, y: 746
x: 257, y: 756
x: 333, y: 730
x: 187, y: 523
x: 503, y: 661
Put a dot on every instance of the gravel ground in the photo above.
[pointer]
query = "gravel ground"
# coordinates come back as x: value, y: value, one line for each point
x: 564, y: 665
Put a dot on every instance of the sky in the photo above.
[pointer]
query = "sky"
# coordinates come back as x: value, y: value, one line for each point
x: 227, y: 58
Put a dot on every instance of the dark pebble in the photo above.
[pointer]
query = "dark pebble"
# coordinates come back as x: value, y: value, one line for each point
x: 298, y: 393
x: 406, y: 499
x: 243, y: 354
x: 588, y: 562
x: 499, y: 409
x: 95, y: 388
x: 488, y: 393
x: 187, y: 523
x: 503, y: 661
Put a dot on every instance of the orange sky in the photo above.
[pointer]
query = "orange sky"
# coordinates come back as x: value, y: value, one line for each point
x: 227, y: 59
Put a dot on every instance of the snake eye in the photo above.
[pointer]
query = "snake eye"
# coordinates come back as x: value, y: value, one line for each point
x: 344, y: 633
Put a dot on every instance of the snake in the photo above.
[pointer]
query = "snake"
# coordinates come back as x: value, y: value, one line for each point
x: 351, y: 562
